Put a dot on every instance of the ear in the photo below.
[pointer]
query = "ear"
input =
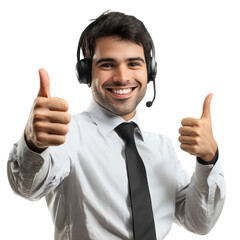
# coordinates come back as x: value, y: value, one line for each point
x: 84, y: 71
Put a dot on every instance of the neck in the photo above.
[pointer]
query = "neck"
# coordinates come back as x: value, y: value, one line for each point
x: 129, y: 116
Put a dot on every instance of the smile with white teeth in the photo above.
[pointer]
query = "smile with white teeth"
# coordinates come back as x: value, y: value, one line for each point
x: 122, y: 91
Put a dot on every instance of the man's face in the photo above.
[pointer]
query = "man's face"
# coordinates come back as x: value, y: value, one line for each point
x: 119, y: 75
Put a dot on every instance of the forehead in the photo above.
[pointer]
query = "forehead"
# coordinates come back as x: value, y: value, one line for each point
x: 116, y: 47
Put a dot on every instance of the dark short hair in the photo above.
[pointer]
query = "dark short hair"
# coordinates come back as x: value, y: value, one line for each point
x: 118, y: 24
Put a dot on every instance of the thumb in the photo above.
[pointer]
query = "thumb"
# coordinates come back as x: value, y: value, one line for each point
x: 206, y: 113
x: 44, y: 90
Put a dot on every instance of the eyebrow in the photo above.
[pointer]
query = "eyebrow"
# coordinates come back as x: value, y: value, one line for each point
x: 105, y: 60
x: 136, y: 59
x: 101, y: 60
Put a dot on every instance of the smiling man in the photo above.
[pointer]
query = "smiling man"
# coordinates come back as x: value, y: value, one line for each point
x: 103, y: 177
x: 119, y: 75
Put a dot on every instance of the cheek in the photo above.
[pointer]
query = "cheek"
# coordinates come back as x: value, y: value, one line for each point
x: 142, y: 78
x: 100, y: 78
x: 95, y: 86
x: 96, y: 80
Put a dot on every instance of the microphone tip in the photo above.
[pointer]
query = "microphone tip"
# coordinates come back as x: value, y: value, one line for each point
x: 149, y: 104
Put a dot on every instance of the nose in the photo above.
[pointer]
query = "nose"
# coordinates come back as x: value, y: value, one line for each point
x: 121, y: 74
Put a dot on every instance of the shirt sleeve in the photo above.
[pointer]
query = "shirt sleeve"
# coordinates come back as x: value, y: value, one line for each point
x: 33, y: 175
x: 200, y: 202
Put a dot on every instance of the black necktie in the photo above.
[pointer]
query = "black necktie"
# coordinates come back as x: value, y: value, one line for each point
x: 143, y: 222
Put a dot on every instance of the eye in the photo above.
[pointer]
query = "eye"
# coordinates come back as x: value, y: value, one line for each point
x: 134, y: 64
x: 106, y: 65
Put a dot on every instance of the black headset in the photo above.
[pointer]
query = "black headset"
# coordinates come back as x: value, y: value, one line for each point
x: 84, y: 66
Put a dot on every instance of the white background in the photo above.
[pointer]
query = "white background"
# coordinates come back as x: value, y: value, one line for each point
x: 197, y: 50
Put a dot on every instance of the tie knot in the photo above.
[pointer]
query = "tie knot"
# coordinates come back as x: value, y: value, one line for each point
x: 126, y: 131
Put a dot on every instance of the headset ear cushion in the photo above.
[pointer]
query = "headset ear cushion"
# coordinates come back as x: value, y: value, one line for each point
x: 152, y: 70
x: 83, y: 71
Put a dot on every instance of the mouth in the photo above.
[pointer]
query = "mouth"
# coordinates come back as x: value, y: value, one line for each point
x: 122, y: 92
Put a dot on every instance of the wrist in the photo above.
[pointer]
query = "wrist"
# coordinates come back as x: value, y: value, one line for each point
x: 31, y: 145
x: 210, y: 152
x: 213, y: 160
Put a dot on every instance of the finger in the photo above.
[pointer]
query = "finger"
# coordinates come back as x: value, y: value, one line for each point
x: 51, y: 116
x: 44, y: 90
x: 188, y: 140
x: 206, y: 113
x: 188, y: 148
x: 59, y: 117
x: 188, y: 131
x: 58, y: 104
x: 51, y: 128
x: 191, y: 122
x: 45, y: 140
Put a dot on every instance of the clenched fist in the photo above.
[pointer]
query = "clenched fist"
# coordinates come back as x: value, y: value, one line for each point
x: 48, y: 121
x: 196, y: 135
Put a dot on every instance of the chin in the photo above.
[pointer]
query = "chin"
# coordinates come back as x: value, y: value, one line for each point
x: 122, y: 109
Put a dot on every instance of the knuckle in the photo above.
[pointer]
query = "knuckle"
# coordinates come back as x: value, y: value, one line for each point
x: 61, y: 140
x: 67, y: 118
x: 62, y: 103
x: 65, y: 105
x: 195, y: 140
x: 197, y: 123
x: 65, y: 129
x: 194, y: 149
x: 184, y: 147
x: 40, y: 103
x: 36, y: 126
x: 40, y: 137
x: 180, y: 130
x: 197, y: 132
x: 37, y: 117
x: 40, y: 115
x: 183, y: 121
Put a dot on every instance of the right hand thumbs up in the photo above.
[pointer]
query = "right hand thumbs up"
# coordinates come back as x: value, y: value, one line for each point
x: 44, y: 90
x: 48, y: 121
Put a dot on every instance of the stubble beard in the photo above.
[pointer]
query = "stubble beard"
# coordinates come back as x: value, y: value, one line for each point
x: 119, y: 107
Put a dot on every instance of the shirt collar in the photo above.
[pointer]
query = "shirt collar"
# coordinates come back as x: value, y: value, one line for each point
x: 108, y: 121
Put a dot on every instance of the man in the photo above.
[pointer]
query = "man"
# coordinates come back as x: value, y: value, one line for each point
x: 81, y: 165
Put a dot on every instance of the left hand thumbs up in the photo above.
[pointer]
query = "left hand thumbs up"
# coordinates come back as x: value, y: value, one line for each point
x: 206, y: 113
x: 196, y: 135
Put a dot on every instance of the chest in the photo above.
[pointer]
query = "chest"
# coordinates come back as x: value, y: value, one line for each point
x: 100, y: 173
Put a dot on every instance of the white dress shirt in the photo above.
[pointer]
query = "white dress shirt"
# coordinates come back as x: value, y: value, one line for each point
x: 86, y: 186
